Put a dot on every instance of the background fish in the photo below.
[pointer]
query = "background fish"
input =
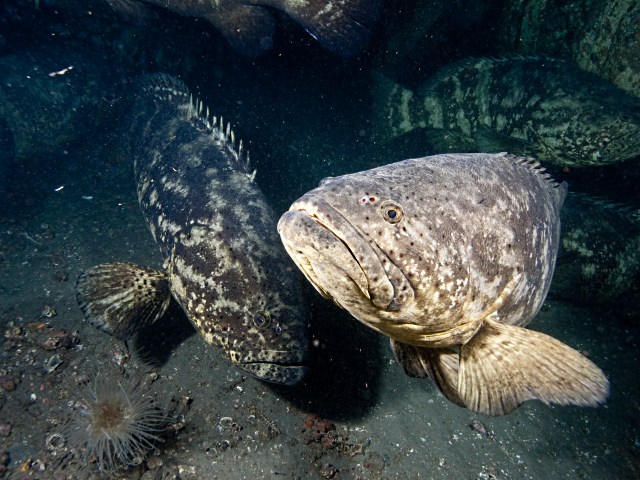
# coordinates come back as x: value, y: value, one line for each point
x: 599, y: 261
x: 528, y: 106
x: 217, y: 235
x: 341, y: 26
x: 600, y: 36
x: 450, y: 256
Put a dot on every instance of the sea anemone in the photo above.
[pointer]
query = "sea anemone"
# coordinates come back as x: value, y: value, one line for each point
x: 115, y: 425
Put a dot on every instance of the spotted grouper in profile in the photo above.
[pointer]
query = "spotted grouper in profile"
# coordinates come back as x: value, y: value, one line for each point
x: 217, y: 235
x: 540, y: 107
x: 450, y: 256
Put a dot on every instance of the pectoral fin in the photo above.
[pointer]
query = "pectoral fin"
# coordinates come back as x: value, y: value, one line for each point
x: 440, y: 365
x: 119, y: 298
x: 502, y: 366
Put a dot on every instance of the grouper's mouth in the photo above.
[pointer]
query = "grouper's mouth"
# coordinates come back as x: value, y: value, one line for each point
x: 281, y: 374
x: 329, y: 250
x: 284, y: 367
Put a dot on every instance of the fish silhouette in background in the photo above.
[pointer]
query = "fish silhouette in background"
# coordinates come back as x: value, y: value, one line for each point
x: 542, y: 107
x: 341, y: 26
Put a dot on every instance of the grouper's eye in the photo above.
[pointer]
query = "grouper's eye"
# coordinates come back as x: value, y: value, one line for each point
x: 262, y: 319
x: 391, y: 211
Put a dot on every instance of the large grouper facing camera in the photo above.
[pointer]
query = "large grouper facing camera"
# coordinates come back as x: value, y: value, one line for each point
x: 450, y: 256
x: 223, y: 262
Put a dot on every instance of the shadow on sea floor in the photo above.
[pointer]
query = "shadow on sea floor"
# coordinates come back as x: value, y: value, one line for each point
x: 155, y: 343
x: 345, y: 361
x: 346, y: 366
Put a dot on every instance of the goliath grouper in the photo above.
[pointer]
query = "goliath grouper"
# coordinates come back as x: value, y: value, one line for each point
x: 342, y: 26
x: 524, y: 105
x: 450, y: 256
x: 223, y: 262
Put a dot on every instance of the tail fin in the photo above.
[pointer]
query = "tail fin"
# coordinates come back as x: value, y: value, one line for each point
x: 119, y: 298
x: 503, y: 365
x: 391, y: 109
x: 342, y: 27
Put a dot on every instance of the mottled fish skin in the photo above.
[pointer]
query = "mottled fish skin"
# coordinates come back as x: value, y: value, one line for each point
x: 342, y: 26
x: 525, y: 105
x: 216, y: 233
x: 449, y: 256
x: 467, y: 237
x: 599, y: 261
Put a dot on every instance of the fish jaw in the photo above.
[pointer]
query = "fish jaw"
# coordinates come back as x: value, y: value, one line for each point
x: 309, y: 245
x: 285, y: 367
x: 333, y: 254
x: 280, y: 367
x: 275, y: 373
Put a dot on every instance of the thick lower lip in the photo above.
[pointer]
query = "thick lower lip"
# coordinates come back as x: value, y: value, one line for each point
x: 312, y: 243
x: 275, y: 373
x: 368, y: 273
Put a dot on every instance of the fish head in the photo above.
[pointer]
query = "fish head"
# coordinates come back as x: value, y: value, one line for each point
x: 270, y: 338
x: 357, y: 239
x: 603, y: 128
x: 248, y: 303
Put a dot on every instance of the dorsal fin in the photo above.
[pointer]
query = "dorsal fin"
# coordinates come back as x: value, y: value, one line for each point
x: 167, y: 88
x: 558, y: 190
